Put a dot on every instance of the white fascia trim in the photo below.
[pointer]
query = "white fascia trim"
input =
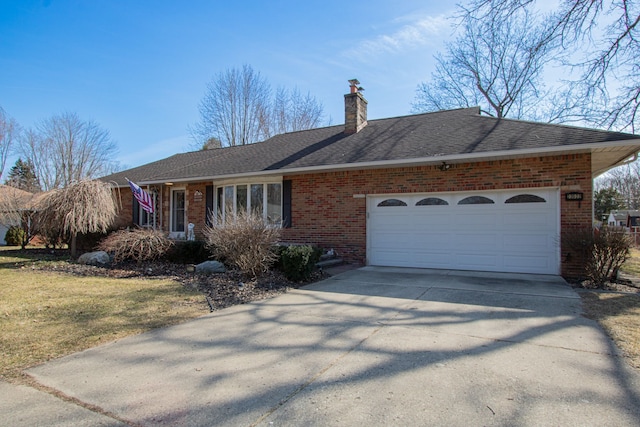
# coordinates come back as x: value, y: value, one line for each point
x: 458, y: 158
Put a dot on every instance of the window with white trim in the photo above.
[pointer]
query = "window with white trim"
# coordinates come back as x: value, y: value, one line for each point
x: 141, y: 217
x: 178, y: 205
x: 264, y: 199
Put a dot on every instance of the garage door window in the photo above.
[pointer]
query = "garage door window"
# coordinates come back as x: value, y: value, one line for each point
x: 476, y: 200
x: 432, y: 201
x: 525, y: 198
x: 391, y: 203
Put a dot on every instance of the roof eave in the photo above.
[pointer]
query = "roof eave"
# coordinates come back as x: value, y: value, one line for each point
x: 633, y: 144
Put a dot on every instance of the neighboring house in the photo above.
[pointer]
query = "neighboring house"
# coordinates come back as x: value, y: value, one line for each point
x: 617, y: 219
x: 627, y: 218
x: 450, y: 189
x: 14, y: 203
x: 633, y: 220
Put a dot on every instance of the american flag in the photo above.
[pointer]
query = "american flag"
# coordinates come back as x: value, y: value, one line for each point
x: 145, y: 200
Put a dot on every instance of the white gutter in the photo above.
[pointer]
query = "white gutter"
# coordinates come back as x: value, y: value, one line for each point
x: 624, y: 163
x: 456, y: 158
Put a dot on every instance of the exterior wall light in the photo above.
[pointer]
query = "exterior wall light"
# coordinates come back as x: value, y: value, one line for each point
x: 444, y: 167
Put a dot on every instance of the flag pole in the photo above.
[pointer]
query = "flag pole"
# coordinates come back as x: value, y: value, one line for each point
x: 153, y: 200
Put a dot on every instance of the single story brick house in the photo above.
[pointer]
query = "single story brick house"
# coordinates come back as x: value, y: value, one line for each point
x: 450, y: 189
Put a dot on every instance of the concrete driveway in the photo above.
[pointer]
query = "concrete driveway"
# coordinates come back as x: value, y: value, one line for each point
x: 373, y: 346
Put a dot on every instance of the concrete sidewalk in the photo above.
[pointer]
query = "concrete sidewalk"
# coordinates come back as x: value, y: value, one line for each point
x: 373, y: 346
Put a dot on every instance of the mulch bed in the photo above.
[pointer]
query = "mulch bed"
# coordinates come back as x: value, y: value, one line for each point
x: 221, y: 289
x: 624, y: 283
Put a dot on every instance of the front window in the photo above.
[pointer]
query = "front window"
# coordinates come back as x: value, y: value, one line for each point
x: 274, y: 203
x: 250, y: 198
x: 145, y: 219
x: 177, y: 211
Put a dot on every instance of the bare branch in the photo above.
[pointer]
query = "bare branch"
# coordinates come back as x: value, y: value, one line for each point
x: 65, y: 149
x: 238, y: 109
x: 497, y: 63
x: 9, y: 130
x: 604, y: 32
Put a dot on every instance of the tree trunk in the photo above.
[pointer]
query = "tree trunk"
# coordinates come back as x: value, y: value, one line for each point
x: 73, y: 245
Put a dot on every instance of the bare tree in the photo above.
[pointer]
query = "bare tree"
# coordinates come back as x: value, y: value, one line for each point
x: 291, y: 111
x: 602, y: 35
x: 65, y: 149
x: 238, y: 109
x: 73, y: 209
x: 8, y: 130
x: 497, y: 63
x: 234, y: 107
x: 626, y: 181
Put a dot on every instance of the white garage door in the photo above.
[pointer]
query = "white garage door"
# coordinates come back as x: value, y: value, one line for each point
x: 510, y: 231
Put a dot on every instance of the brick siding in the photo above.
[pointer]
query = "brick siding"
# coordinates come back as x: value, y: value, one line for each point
x: 325, y: 213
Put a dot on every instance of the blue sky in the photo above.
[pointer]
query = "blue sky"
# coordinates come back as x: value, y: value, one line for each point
x: 140, y: 68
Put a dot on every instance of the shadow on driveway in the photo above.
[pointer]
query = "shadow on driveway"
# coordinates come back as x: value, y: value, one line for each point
x: 371, y: 346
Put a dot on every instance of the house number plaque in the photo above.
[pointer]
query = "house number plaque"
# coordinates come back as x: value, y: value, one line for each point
x: 574, y: 195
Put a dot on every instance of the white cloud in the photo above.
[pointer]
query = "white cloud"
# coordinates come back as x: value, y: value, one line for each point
x: 417, y: 33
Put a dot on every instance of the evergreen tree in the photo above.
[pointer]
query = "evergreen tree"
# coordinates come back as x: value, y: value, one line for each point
x: 607, y: 200
x: 23, y: 176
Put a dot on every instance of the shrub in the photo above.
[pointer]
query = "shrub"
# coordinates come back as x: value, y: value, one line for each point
x: 88, y: 241
x: 602, y: 252
x: 14, y: 236
x: 53, y: 238
x: 298, y: 262
x: 138, y: 244
x: 187, y: 252
x: 244, y: 242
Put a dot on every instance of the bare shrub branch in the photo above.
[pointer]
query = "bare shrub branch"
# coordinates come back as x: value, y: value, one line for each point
x: 138, y: 244
x: 602, y: 252
x: 245, y: 242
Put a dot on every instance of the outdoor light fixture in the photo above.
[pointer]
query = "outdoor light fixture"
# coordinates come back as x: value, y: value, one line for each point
x: 444, y: 167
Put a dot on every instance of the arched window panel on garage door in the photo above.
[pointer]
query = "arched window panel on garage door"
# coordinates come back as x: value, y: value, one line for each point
x: 525, y: 198
x: 476, y: 200
x: 432, y: 201
x: 391, y: 203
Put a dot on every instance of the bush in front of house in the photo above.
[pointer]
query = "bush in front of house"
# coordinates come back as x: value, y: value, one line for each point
x: 187, y: 252
x: 137, y: 245
x: 602, y: 252
x: 14, y: 236
x: 298, y: 262
x: 245, y: 242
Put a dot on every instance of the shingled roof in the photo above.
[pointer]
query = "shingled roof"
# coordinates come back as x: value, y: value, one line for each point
x: 451, y: 136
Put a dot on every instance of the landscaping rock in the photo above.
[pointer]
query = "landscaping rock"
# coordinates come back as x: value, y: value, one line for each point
x: 209, y: 267
x: 94, y: 258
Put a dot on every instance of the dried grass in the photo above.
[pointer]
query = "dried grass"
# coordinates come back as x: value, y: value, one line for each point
x: 138, y: 244
x: 619, y: 315
x: 47, y: 315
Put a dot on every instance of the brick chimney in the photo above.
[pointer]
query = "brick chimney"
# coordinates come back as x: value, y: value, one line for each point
x: 355, y: 108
